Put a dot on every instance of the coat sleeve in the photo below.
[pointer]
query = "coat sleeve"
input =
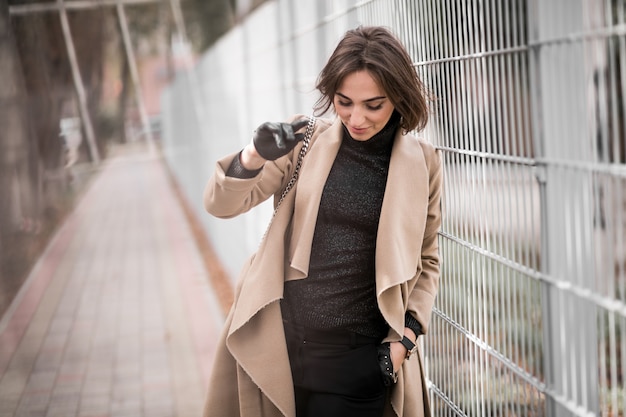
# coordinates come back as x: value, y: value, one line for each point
x: 422, y: 298
x: 227, y: 197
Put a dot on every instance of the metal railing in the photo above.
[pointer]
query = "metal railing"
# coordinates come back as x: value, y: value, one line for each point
x: 529, y: 117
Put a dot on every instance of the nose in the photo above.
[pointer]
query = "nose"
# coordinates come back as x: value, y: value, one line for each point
x: 357, y: 117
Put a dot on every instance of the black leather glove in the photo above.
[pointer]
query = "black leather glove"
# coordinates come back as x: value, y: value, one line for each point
x: 273, y: 140
x: 386, y: 367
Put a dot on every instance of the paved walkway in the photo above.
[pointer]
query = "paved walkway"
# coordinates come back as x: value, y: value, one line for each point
x: 117, y: 317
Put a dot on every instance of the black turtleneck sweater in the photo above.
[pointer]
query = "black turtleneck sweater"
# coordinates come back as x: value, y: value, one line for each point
x: 340, y: 290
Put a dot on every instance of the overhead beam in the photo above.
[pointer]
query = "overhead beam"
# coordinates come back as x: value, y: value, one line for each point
x: 23, y: 9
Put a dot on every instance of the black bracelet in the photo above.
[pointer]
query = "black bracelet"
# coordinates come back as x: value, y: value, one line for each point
x: 409, y: 345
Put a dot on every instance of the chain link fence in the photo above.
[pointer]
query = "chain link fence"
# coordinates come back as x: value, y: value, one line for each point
x: 528, y: 114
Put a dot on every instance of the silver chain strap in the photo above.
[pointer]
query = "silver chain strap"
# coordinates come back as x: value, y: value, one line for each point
x: 308, y: 134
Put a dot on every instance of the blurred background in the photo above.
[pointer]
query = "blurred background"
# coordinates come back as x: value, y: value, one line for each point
x: 76, y: 84
x: 528, y: 116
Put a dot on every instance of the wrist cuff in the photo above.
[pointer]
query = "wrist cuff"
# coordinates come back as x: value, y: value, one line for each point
x: 412, y: 323
x: 236, y: 170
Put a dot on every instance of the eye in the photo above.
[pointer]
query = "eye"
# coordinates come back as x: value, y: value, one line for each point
x: 377, y: 107
x: 344, y: 103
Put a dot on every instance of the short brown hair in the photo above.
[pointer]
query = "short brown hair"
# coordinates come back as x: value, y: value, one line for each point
x: 376, y: 50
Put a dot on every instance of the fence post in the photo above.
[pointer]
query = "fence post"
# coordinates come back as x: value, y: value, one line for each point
x: 78, y: 84
x: 560, y: 129
x: 134, y: 75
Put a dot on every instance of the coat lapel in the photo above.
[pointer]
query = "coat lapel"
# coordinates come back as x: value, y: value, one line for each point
x: 255, y: 335
x: 401, y: 227
x: 315, y: 169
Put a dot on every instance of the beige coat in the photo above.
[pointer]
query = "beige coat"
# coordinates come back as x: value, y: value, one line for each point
x: 251, y: 375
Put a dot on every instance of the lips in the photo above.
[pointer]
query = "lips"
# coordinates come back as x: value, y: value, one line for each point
x: 358, y: 131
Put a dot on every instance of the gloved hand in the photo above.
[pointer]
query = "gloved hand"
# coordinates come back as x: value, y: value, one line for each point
x: 273, y: 140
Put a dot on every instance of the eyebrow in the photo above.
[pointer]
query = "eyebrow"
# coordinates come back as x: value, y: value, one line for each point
x: 368, y: 100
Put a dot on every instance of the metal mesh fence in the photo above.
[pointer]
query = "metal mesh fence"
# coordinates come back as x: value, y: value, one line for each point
x: 528, y: 113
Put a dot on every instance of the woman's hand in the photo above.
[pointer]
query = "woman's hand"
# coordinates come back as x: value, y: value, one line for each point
x: 398, y: 355
x: 273, y: 140
x: 250, y: 158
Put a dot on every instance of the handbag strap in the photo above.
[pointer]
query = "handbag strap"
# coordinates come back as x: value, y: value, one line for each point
x: 308, y: 134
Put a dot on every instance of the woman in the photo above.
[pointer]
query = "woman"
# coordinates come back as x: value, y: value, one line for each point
x: 347, y: 273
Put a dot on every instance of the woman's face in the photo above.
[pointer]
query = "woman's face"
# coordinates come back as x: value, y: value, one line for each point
x: 362, y: 105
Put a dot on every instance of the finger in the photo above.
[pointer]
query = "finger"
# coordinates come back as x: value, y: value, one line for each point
x: 278, y: 140
x: 288, y: 132
x: 299, y: 124
x: 263, y: 131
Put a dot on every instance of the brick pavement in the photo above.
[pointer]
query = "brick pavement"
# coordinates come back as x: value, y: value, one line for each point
x: 117, y: 317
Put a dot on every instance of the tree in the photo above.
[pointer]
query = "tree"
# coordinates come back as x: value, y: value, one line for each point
x: 207, y: 20
x: 17, y: 184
